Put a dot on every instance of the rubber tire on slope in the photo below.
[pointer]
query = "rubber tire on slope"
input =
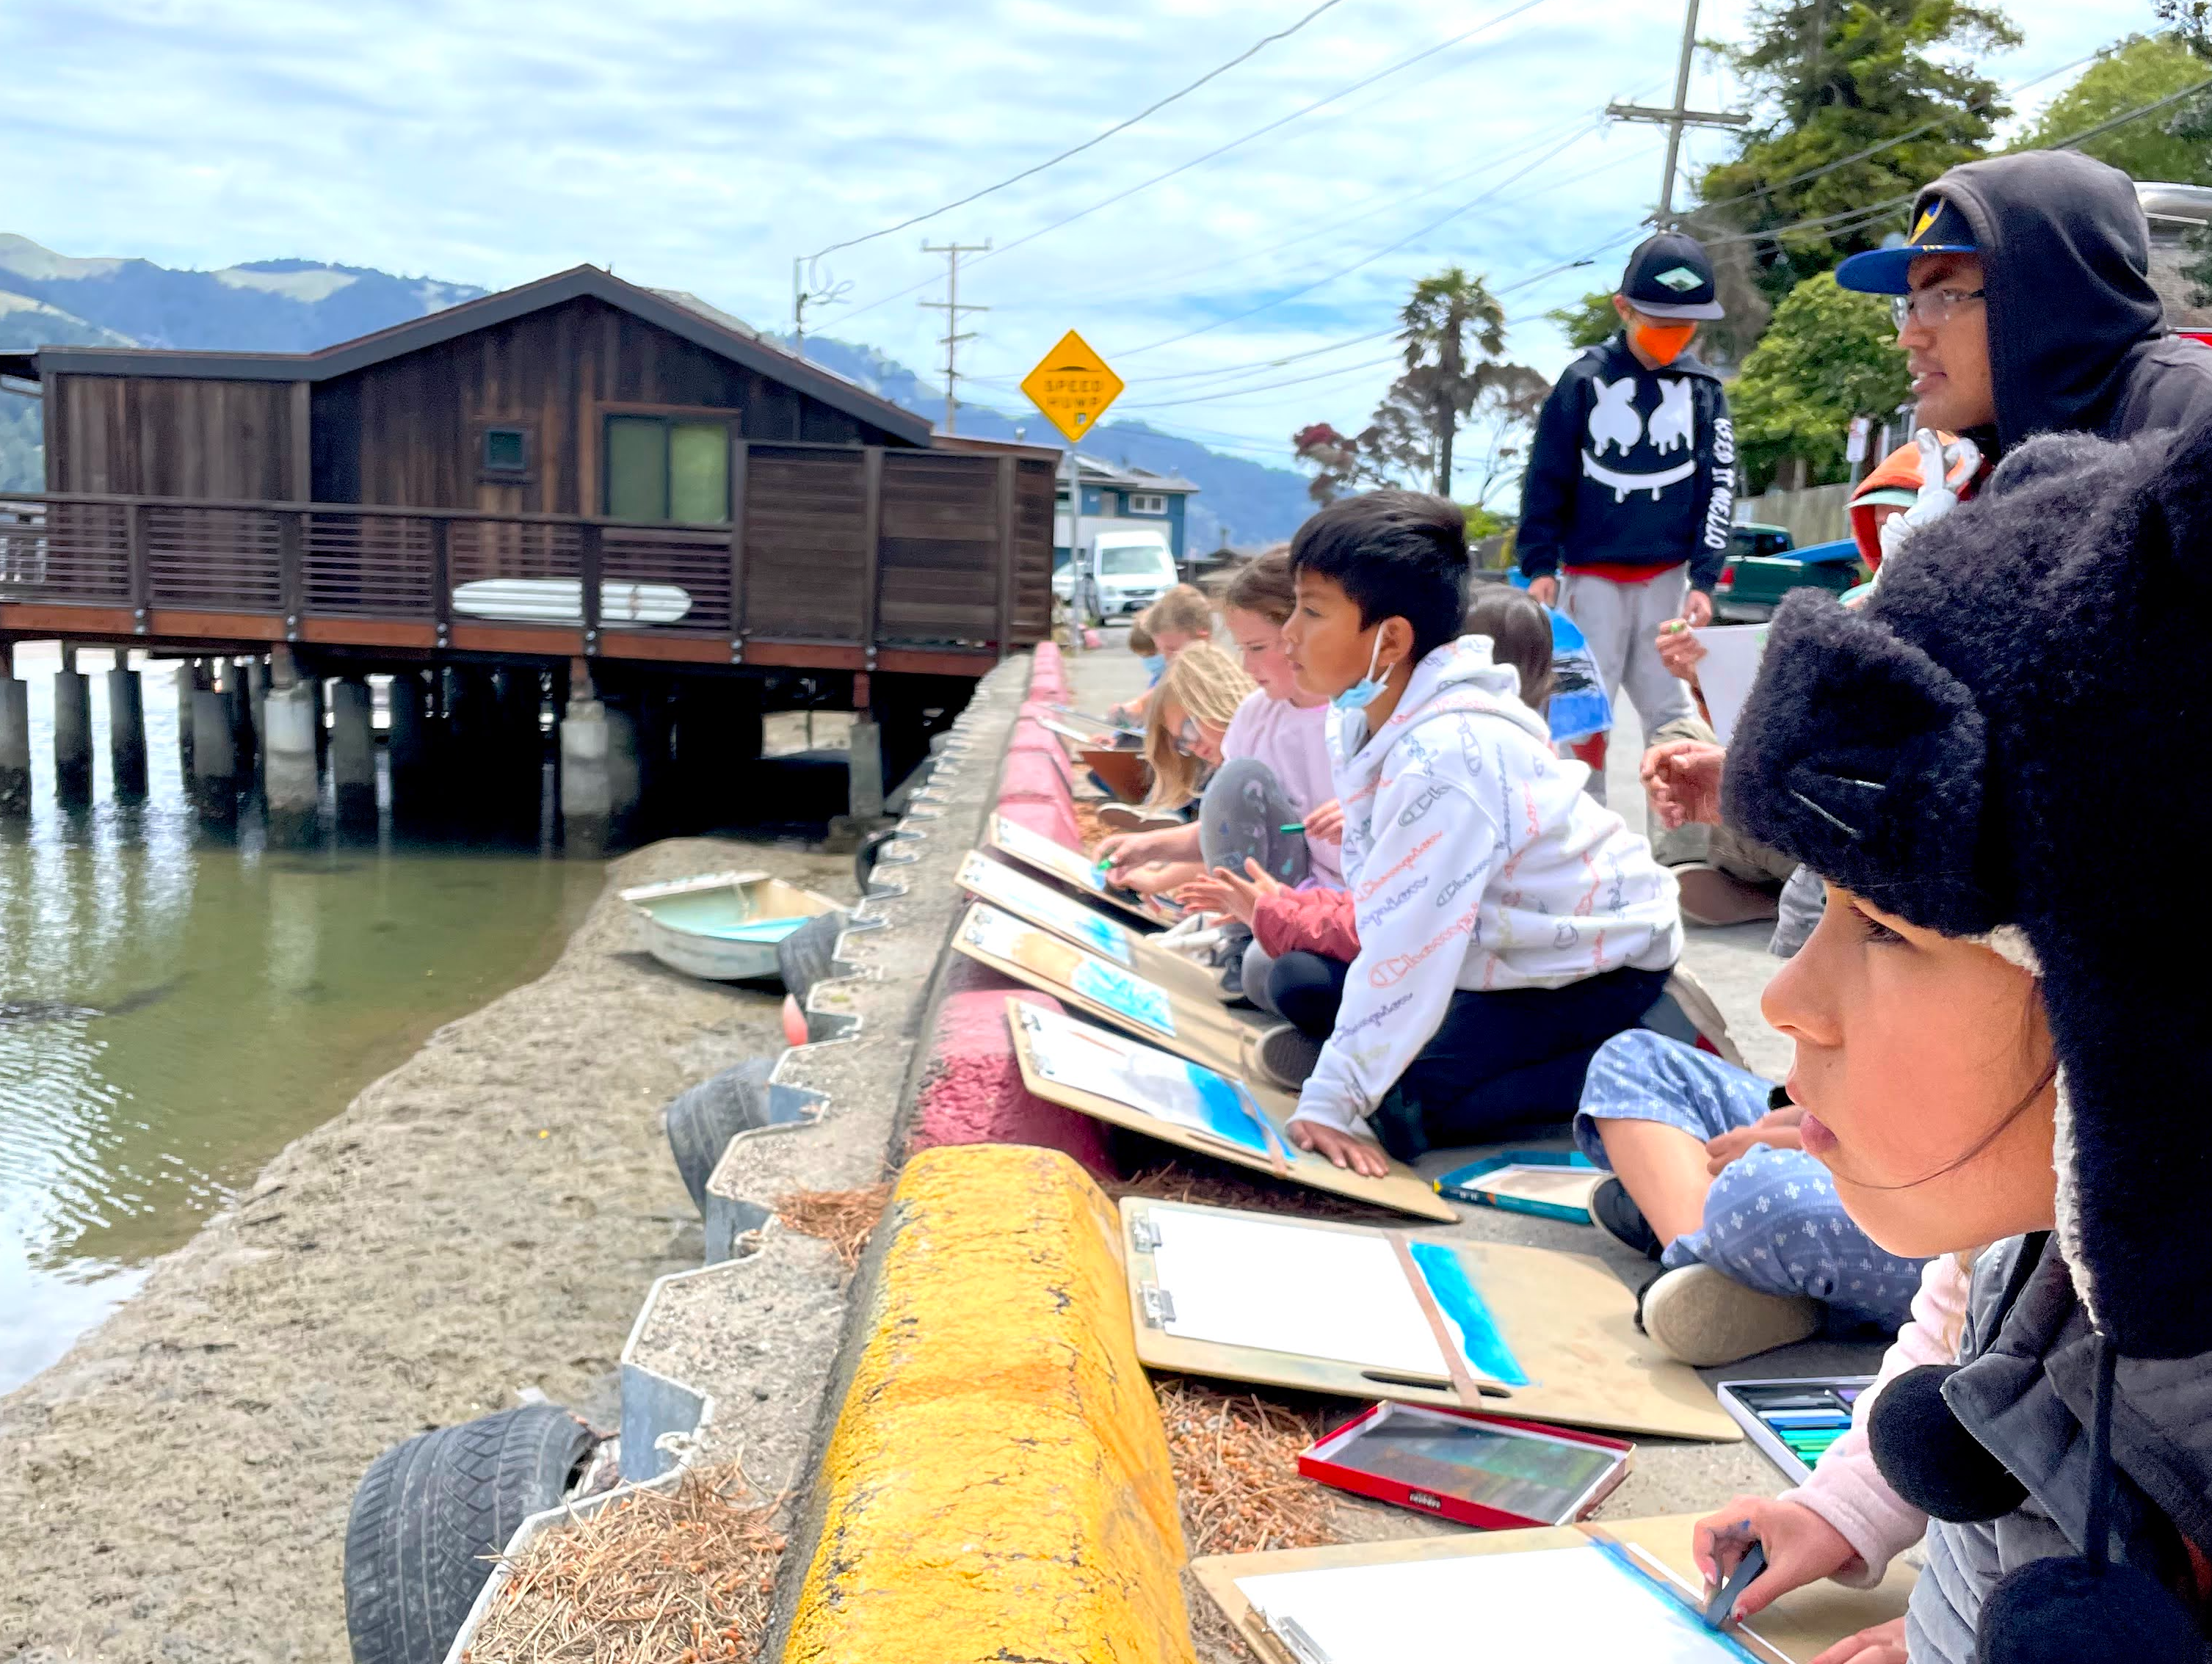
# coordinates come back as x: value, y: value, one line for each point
x: 804, y: 956
x: 427, y: 1512
x: 701, y: 1120
x: 864, y: 858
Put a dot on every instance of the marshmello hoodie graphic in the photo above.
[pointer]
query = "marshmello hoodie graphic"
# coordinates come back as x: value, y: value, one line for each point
x: 1475, y: 860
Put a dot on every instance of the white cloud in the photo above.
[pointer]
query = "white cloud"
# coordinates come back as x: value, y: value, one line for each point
x: 702, y: 147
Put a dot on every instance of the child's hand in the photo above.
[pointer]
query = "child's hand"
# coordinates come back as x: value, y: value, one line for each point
x: 1204, y: 894
x: 1130, y: 850
x: 1679, y: 651
x: 1882, y: 1645
x: 1358, y: 1154
x: 1801, y: 1547
x: 1326, y: 824
x: 1777, y: 1129
x: 1683, y: 780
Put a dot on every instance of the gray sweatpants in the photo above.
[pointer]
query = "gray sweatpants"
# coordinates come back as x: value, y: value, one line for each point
x: 1621, y: 623
x: 1242, y: 817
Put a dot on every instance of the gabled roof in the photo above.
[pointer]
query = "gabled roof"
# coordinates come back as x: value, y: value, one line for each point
x: 1128, y: 476
x: 731, y: 340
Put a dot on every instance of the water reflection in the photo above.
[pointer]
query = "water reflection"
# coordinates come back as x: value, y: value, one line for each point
x: 176, y: 1005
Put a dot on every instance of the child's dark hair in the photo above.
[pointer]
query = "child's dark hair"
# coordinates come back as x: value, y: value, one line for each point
x: 1520, y: 633
x: 1140, y: 639
x: 1397, y: 555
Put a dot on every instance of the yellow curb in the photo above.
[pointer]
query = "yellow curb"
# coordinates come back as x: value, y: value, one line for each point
x: 998, y: 1485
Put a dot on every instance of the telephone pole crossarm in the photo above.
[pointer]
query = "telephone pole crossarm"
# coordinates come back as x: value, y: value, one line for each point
x: 953, y: 311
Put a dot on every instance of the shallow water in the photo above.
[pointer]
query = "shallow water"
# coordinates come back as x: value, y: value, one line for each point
x: 175, y: 1007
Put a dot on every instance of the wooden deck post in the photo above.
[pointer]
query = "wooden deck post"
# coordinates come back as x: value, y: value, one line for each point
x: 590, y: 557
x: 1008, y: 478
x: 441, y: 579
x: 872, y: 546
x: 740, y: 482
x: 140, y: 573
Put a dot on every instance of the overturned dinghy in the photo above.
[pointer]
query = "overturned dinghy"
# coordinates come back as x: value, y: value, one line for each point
x: 722, y: 927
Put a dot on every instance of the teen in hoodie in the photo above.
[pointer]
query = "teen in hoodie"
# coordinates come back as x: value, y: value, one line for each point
x: 1631, y: 488
x: 1508, y: 924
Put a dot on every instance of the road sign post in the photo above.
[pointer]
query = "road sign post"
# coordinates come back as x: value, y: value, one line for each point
x: 1071, y: 387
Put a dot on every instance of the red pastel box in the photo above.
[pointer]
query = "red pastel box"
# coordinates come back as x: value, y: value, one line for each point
x: 1493, y: 1472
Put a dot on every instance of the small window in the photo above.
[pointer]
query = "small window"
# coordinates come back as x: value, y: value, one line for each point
x: 661, y: 469
x: 506, y: 451
x: 1147, y: 502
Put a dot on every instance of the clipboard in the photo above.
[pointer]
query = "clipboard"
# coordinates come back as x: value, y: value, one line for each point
x: 1056, y: 860
x: 1402, y: 1189
x: 1199, y: 1029
x: 1797, y: 1628
x: 1011, y: 889
x: 1563, y: 1323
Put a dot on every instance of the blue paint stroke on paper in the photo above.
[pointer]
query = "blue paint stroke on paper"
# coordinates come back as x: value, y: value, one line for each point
x: 1123, y: 994
x: 1485, y: 1348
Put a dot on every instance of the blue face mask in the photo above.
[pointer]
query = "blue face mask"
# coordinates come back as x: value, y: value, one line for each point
x: 1155, y: 664
x: 1363, y: 692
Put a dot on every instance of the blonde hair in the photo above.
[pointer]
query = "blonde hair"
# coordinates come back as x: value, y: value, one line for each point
x: 1208, y: 686
x: 1183, y: 610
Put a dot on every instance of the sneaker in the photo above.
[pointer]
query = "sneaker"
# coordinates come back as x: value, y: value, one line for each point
x: 1704, y: 1317
x: 1286, y: 1056
x: 1616, y: 1214
x: 1130, y: 817
x: 1710, y: 896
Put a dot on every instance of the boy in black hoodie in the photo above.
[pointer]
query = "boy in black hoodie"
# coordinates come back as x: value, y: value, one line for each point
x: 1631, y: 488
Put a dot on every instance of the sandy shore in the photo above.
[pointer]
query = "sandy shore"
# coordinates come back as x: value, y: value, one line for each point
x: 485, y: 1218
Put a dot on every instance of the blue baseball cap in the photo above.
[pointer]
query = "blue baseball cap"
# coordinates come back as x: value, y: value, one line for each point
x: 1938, y: 227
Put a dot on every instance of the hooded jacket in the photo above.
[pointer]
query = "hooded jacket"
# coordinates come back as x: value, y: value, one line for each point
x: 1475, y: 860
x: 1632, y: 470
x: 2077, y: 335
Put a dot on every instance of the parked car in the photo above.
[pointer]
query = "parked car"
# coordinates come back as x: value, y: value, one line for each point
x: 1752, y: 586
x: 1122, y: 572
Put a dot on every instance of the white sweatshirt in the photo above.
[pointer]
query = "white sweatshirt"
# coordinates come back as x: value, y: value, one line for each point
x: 1475, y: 860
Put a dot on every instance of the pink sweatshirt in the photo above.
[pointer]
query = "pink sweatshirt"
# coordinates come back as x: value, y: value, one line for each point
x: 1845, y: 1489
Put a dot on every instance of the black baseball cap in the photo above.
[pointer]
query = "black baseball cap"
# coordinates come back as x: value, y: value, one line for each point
x: 1670, y: 276
x: 1938, y: 227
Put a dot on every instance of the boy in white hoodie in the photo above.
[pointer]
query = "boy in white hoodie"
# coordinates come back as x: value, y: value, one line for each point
x: 1509, y: 925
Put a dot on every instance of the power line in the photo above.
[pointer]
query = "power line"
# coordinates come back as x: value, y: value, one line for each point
x: 1222, y: 150
x: 1344, y: 272
x: 1269, y: 386
x: 1076, y: 150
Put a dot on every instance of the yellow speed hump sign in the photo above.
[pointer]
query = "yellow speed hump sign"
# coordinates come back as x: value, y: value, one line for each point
x: 1072, y: 386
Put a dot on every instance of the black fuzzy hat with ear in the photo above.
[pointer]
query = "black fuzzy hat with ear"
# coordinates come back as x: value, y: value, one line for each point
x: 1998, y: 746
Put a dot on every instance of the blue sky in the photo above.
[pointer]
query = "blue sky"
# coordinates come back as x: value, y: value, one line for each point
x: 702, y: 146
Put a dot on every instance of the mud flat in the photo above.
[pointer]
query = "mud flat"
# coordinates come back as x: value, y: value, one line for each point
x: 485, y: 1219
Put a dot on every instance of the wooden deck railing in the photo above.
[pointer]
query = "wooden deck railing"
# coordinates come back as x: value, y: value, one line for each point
x: 832, y: 555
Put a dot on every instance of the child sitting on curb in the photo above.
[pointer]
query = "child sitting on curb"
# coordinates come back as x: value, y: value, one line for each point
x: 1304, y: 939
x: 1178, y: 619
x: 1508, y: 925
x: 1191, y: 712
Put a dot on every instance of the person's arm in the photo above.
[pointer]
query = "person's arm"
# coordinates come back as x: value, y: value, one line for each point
x: 1410, y: 949
x: 1547, y: 488
x: 1307, y: 921
x: 1717, y: 496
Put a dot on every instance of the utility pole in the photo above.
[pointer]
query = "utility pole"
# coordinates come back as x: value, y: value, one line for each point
x: 951, y: 306
x: 1674, y: 120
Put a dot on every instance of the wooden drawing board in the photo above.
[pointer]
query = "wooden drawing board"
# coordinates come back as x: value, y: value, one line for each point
x: 1568, y: 1322
x: 1798, y: 1627
x: 1056, y: 860
x: 1199, y: 1028
x: 1402, y: 1189
x: 1011, y: 889
x: 1126, y: 774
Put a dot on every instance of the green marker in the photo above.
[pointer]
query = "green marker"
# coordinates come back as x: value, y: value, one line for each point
x: 1295, y: 826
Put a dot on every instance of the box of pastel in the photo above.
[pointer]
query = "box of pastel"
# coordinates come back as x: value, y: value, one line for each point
x: 1490, y: 1471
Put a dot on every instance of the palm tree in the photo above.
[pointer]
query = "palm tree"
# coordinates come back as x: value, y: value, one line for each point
x: 1447, y: 314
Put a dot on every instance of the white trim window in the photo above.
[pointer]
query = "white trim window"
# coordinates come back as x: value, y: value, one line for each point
x: 1146, y: 502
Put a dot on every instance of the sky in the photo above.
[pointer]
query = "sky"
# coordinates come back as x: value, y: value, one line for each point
x: 704, y: 146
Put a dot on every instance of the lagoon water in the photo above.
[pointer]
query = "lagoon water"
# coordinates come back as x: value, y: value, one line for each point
x: 176, y: 1004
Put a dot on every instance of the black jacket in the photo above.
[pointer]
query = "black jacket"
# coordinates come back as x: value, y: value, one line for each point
x: 2077, y: 337
x: 1609, y: 426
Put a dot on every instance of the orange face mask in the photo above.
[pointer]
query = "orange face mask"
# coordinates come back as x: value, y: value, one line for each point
x: 1663, y: 344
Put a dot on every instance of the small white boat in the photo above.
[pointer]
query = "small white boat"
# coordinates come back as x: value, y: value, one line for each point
x: 560, y: 601
x: 721, y: 926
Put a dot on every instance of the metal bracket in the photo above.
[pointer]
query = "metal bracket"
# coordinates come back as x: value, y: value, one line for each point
x: 590, y: 643
x: 1159, y: 1305
x: 736, y: 650
x: 445, y: 635
x: 291, y: 626
x: 870, y: 657
x: 139, y: 622
x: 1144, y: 1235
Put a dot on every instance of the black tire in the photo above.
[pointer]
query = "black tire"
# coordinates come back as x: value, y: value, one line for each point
x: 427, y: 1512
x: 804, y: 956
x: 864, y: 858
x: 701, y: 1120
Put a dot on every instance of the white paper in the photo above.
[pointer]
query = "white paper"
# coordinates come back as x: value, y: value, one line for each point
x: 1726, y: 672
x: 1017, y: 892
x: 1538, y: 1608
x: 1282, y: 1287
x: 1088, y: 1060
x: 1069, y: 866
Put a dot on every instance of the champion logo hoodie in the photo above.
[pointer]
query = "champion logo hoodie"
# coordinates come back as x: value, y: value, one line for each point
x: 1475, y: 860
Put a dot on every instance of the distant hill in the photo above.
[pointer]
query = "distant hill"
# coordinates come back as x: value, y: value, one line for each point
x: 297, y: 306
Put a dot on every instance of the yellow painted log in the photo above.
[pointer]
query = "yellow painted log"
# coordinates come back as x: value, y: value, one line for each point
x: 998, y: 1485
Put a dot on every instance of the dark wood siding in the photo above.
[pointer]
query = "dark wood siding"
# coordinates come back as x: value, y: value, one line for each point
x: 409, y: 430
x: 169, y: 437
x: 805, y: 543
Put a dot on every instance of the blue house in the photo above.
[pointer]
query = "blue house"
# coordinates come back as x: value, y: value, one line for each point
x: 1116, y: 497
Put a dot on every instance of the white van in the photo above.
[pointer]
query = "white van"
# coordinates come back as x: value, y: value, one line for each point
x: 1123, y: 572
